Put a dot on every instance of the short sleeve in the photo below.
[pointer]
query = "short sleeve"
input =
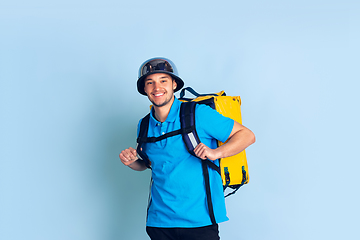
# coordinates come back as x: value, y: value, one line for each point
x: 211, y: 124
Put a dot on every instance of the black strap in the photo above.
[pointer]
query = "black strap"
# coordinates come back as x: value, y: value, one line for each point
x: 213, y: 166
x: 149, y: 198
x: 236, y: 187
x: 193, y: 92
x: 187, y: 119
x: 146, y: 139
x: 227, y: 177
x: 189, y: 89
x: 208, y: 191
x: 143, y: 138
x: 144, y: 126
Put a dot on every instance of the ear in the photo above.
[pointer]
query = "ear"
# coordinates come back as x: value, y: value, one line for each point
x: 174, y: 84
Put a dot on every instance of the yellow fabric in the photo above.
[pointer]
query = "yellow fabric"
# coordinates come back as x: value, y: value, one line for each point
x: 229, y: 107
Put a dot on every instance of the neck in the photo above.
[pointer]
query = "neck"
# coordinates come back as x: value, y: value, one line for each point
x: 161, y: 113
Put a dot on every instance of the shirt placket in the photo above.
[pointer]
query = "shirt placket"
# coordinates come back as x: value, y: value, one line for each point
x: 162, y: 130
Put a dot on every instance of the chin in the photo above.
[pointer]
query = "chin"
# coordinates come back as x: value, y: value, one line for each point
x: 161, y: 104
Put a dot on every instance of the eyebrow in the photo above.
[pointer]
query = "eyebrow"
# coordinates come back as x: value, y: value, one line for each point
x: 148, y: 79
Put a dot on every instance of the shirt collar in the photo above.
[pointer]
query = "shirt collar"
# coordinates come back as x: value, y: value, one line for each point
x: 173, y: 114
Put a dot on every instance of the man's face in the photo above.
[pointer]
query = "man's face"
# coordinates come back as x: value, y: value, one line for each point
x: 159, y: 88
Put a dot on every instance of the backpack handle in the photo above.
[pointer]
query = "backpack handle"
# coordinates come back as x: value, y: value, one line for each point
x: 192, y: 91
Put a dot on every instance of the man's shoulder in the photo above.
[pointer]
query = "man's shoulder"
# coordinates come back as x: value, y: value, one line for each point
x: 204, y: 110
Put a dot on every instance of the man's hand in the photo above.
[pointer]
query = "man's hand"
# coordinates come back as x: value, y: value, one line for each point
x: 204, y: 152
x: 128, y: 156
x: 239, y: 139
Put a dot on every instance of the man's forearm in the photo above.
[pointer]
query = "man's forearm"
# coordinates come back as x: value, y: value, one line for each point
x: 239, y: 139
x: 236, y: 143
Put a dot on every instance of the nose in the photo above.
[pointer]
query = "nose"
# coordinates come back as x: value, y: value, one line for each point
x: 156, y: 85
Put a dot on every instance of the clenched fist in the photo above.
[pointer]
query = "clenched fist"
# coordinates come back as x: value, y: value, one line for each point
x: 204, y: 152
x: 128, y: 156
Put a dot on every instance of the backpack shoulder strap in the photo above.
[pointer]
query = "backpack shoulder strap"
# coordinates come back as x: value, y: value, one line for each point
x: 143, y: 138
x: 189, y: 134
x: 188, y: 130
x: 143, y: 131
x: 191, y: 140
x: 144, y: 125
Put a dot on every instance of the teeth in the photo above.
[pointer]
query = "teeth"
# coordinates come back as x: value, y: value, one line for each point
x: 158, y: 94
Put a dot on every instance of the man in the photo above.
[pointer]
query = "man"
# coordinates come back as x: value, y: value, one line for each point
x: 178, y: 208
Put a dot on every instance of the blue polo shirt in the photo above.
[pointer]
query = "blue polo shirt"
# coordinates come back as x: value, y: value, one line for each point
x: 178, y: 197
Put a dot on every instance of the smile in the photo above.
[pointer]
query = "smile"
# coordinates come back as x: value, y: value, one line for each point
x: 158, y: 94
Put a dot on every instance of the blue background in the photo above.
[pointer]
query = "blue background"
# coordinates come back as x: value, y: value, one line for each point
x: 69, y: 105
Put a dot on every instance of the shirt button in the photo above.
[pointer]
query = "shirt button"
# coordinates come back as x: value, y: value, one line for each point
x: 162, y: 133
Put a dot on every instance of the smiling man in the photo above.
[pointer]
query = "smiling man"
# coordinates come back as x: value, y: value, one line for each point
x: 159, y: 88
x: 179, y: 207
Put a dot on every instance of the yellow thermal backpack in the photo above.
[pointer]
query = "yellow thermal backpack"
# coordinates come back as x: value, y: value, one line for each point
x: 234, y: 169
